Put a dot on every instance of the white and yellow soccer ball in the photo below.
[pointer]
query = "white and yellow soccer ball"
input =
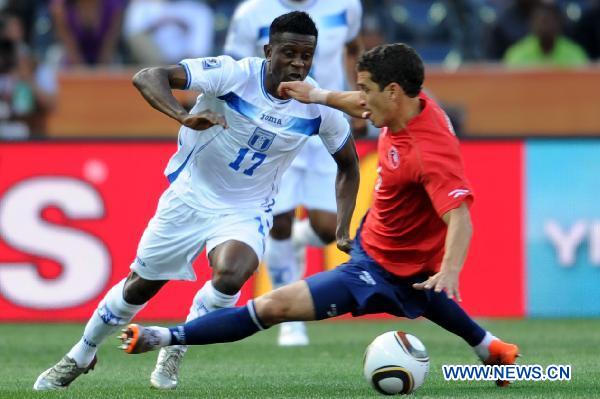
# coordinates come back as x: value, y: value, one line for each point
x: 396, y: 363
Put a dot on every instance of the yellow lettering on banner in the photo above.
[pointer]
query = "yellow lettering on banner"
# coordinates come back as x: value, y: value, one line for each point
x: 332, y: 257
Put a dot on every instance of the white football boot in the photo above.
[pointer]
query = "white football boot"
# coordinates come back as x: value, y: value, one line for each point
x: 61, y: 374
x: 166, y: 372
x: 293, y: 334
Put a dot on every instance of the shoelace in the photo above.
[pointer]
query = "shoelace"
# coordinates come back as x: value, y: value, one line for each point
x: 172, y: 361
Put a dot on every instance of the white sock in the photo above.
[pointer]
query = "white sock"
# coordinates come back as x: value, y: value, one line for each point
x: 281, y: 262
x: 164, y: 334
x: 482, y: 349
x: 208, y: 298
x: 112, y: 313
x: 303, y: 234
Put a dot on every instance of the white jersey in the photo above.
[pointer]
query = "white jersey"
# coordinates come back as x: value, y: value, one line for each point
x: 228, y: 170
x: 338, y: 22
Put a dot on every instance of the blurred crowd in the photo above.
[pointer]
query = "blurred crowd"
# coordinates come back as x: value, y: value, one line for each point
x: 40, y: 37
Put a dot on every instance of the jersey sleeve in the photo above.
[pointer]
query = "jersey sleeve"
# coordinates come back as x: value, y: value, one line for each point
x: 242, y: 34
x: 442, y: 175
x: 354, y: 18
x: 334, y: 130
x: 212, y: 75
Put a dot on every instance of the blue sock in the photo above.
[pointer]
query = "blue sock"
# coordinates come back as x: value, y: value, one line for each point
x: 223, y: 325
x: 449, y: 315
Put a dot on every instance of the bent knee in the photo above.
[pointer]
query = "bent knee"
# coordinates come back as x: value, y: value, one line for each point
x: 229, y: 280
x: 272, y: 310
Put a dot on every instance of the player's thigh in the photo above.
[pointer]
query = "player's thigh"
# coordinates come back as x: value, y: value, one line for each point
x: 289, y: 303
x: 319, y: 190
x: 172, y: 240
x: 237, y: 242
x: 290, y: 194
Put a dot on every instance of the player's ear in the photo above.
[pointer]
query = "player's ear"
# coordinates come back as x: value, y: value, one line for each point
x: 394, y: 90
x: 268, y: 49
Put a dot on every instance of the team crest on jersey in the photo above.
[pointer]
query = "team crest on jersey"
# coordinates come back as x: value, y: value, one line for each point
x: 261, y: 140
x: 393, y: 157
x: 211, y: 63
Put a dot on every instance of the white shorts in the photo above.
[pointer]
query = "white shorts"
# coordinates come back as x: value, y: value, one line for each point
x: 177, y: 233
x: 309, y: 181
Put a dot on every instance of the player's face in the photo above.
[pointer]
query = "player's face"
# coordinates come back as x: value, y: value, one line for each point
x: 290, y: 56
x: 377, y: 102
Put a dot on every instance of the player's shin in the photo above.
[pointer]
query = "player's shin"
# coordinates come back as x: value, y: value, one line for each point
x: 112, y: 313
x: 223, y: 325
x: 282, y: 265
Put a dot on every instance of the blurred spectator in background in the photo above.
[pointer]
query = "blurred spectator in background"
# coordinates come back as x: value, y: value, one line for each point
x: 587, y: 31
x: 25, y: 11
x: 88, y: 30
x: 372, y: 34
x: 511, y: 26
x: 162, y: 32
x: 545, y: 45
x: 442, y: 31
x: 26, y: 91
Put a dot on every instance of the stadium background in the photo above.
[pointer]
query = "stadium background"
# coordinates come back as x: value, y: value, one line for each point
x: 74, y: 201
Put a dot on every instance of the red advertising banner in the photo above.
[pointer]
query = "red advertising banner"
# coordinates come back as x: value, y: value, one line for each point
x: 71, y: 215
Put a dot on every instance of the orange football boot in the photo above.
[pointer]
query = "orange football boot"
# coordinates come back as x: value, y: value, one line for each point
x: 502, y: 353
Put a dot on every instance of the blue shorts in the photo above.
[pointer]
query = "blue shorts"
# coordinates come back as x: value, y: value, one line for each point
x: 361, y: 286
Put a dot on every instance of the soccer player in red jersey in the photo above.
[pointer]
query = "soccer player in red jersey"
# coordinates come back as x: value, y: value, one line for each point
x: 410, y: 249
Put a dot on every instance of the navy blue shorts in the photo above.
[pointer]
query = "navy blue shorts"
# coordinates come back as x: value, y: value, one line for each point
x: 361, y: 286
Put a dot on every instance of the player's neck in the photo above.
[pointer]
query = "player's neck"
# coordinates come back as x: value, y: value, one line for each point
x: 405, y: 112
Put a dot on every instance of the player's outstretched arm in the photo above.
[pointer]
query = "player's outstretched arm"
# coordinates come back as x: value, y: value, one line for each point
x: 155, y: 85
x: 346, y: 189
x: 348, y: 102
x: 458, y: 238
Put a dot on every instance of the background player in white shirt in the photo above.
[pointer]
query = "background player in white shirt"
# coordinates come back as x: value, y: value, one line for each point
x: 223, y: 177
x: 310, y: 179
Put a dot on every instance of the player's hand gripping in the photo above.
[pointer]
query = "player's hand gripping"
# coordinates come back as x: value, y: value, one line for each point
x: 300, y: 91
x: 203, y: 120
x: 444, y: 280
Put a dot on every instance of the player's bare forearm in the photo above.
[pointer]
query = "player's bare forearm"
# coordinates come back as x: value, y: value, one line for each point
x: 346, y: 101
x: 458, y: 238
x: 346, y: 190
x: 155, y: 85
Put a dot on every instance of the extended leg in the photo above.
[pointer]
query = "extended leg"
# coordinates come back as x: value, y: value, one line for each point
x: 232, y: 262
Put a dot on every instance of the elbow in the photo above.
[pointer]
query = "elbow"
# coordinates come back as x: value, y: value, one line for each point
x: 141, y: 77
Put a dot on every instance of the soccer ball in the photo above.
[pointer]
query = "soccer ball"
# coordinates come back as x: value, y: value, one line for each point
x: 396, y: 363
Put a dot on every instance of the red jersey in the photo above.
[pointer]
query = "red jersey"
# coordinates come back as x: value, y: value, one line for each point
x: 420, y: 178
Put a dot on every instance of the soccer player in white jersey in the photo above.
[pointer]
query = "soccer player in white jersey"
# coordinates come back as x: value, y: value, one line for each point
x: 224, y: 178
x: 310, y: 179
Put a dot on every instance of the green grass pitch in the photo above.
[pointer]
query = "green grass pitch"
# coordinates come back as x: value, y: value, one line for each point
x: 331, y: 367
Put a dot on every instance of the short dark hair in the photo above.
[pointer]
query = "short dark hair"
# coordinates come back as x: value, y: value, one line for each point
x: 396, y: 62
x: 297, y: 22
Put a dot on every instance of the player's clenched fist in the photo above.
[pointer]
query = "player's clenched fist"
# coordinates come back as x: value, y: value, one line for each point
x: 344, y: 244
x: 203, y: 120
